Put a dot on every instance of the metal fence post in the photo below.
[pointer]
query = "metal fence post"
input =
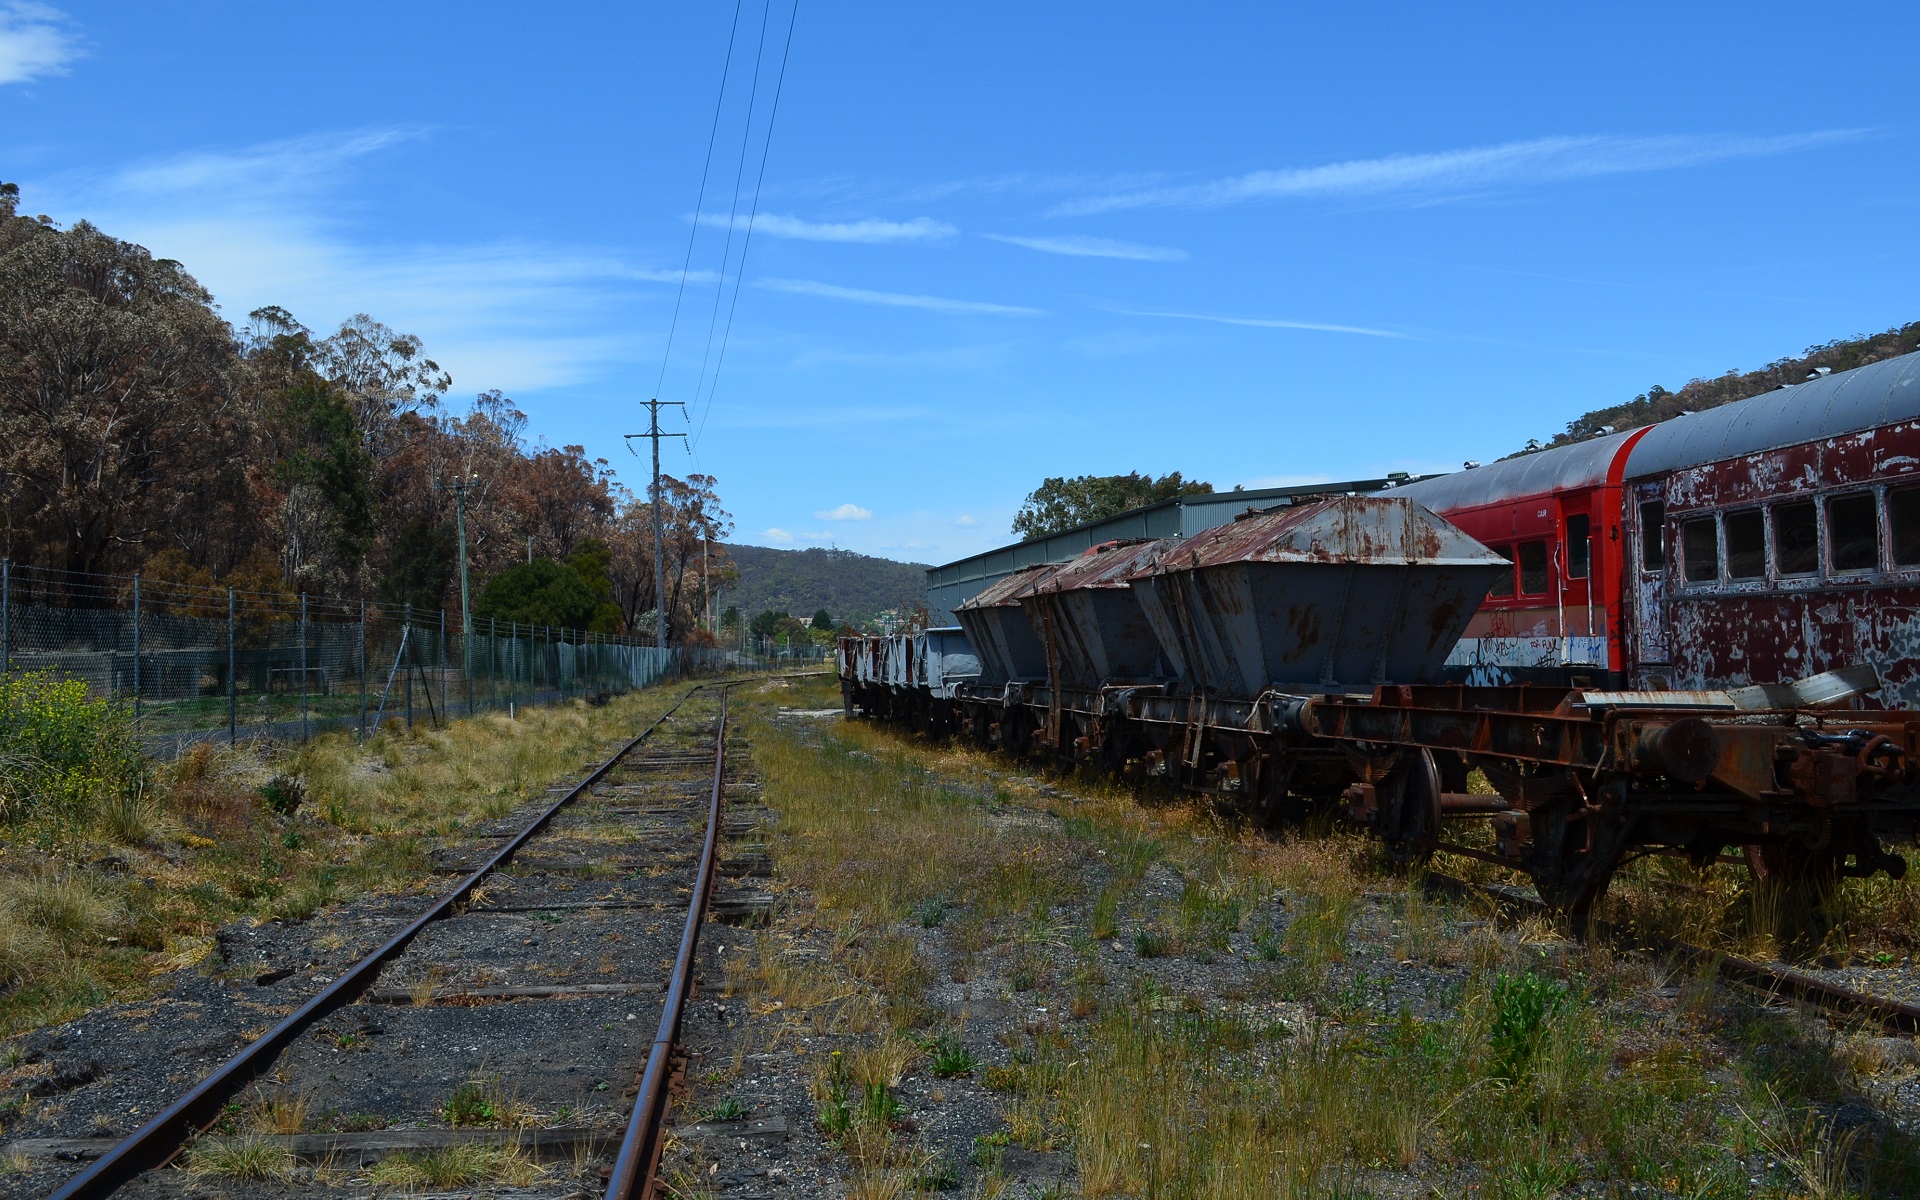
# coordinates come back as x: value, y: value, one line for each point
x: 466, y: 661
x: 233, y: 686
x: 304, y: 734
x: 443, y: 662
x: 401, y: 660
x: 363, y: 668
x: 136, y: 647
x: 6, y: 615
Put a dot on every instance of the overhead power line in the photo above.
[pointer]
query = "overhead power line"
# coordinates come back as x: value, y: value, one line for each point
x: 706, y: 168
x: 733, y: 209
x: 760, y: 179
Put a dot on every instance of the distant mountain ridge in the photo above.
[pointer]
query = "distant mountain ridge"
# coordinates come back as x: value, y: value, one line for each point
x: 849, y: 586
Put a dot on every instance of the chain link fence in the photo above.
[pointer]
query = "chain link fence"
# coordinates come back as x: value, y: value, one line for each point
x: 196, y: 663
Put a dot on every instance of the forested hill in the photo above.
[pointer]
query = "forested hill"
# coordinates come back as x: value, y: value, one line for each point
x: 849, y: 586
x: 1659, y: 404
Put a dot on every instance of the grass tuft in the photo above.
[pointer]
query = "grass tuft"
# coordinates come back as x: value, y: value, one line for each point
x: 252, y: 1158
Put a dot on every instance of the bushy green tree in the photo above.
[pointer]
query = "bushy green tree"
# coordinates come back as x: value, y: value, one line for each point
x: 593, y: 562
x: 821, y: 620
x: 1060, y: 503
x: 768, y: 623
x: 542, y: 592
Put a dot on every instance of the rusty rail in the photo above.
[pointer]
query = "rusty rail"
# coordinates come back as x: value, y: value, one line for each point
x: 156, y: 1142
x: 1765, y: 978
x: 632, y: 1177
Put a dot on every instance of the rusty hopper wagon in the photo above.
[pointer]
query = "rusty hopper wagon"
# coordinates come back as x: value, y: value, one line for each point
x: 1090, y: 621
x: 1009, y: 648
x: 1294, y: 663
x: 1317, y: 596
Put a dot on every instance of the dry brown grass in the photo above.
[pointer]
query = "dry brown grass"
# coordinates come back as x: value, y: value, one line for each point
x: 201, y: 847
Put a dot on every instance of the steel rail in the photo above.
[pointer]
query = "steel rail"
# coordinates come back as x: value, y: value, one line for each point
x: 633, y: 1168
x: 1765, y: 978
x: 156, y: 1142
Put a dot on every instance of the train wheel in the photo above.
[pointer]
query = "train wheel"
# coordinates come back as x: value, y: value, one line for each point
x: 1573, y: 859
x: 1410, y: 820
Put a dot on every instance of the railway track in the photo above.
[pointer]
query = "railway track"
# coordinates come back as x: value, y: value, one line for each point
x: 1771, y: 980
x: 509, y: 1015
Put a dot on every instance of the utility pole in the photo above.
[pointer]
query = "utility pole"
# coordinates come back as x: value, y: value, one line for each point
x: 459, y: 489
x: 659, y: 554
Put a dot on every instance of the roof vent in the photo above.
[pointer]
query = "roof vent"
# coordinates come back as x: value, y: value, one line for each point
x: 1398, y: 476
x: 1820, y: 372
x: 1533, y: 443
x: 1471, y: 463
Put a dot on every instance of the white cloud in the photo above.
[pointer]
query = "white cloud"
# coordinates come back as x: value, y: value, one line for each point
x: 772, y: 535
x: 1540, y: 160
x: 268, y: 169
x: 257, y: 225
x: 1264, y: 323
x: 1080, y: 246
x: 846, y: 512
x: 965, y: 521
x: 831, y: 291
x: 33, y: 42
x: 868, y: 230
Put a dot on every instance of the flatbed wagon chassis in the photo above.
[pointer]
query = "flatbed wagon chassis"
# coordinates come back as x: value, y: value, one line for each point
x: 1581, y: 782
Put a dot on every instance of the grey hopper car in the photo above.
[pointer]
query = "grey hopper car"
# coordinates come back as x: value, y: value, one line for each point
x: 1329, y: 596
x: 1090, y: 617
x: 1000, y: 632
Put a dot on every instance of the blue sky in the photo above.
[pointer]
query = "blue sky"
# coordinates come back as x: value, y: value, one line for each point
x: 1253, y: 243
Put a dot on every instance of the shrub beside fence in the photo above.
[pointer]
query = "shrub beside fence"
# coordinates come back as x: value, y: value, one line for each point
x: 196, y: 663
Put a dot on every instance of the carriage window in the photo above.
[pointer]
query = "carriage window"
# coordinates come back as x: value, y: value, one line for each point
x: 1796, y: 538
x: 1746, y: 545
x: 1533, y: 568
x: 1653, y: 533
x: 1853, y: 532
x: 1700, y: 548
x: 1903, y: 514
x: 1577, y: 547
x: 1503, y: 586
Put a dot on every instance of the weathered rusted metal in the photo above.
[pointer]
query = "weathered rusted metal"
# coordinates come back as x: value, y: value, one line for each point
x: 1090, y: 618
x: 1000, y: 632
x: 633, y: 1166
x: 1331, y: 595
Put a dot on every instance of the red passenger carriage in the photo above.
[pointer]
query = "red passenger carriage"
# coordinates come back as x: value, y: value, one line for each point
x: 1757, y: 542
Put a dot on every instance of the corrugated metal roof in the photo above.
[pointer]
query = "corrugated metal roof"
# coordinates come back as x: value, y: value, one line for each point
x: 1879, y: 393
x: 1583, y: 464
